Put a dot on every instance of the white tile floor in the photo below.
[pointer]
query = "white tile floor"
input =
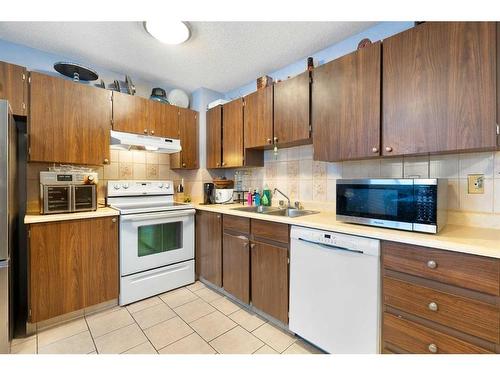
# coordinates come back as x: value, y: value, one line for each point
x: 189, y: 320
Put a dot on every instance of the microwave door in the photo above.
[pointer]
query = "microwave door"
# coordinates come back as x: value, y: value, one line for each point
x: 377, y: 204
x: 84, y: 198
x: 56, y: 199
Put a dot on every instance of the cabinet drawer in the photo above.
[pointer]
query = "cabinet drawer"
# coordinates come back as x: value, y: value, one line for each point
x: 237, y: 223
x: 463, y: 270
x: 467, y: 315
x: 271, y: 231
x: 415, y: 338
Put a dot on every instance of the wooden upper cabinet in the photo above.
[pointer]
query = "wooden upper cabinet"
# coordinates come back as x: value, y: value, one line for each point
x: 258, y: 118
x: 291, y: 110
x: 346, y: 106
x: 232, y: 134
x: 163, y: 119
x: 69, y: 122
x: 214, y: 137
x: 439, y: 88
x: 188, y: 134
x: 13, y: 87
x: 130, y: 113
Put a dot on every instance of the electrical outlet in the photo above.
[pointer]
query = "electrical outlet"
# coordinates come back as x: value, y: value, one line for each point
x: 475, y: 183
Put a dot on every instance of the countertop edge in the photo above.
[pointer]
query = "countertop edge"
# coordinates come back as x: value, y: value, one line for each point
x: 466, y: 243
x: 100, y: 212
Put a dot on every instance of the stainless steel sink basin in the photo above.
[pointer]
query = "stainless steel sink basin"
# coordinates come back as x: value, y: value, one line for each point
x: 256, y: 209
x: 291, y: 212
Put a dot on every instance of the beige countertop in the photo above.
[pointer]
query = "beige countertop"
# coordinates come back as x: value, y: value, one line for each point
x: 101, y: 212
x: 470, y: 240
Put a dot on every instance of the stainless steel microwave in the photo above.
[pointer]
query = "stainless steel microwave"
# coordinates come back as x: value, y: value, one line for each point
x: 418, y: 205
x: 67, y: 192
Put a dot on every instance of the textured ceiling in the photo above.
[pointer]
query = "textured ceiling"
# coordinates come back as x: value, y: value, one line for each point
x: 220, y: 55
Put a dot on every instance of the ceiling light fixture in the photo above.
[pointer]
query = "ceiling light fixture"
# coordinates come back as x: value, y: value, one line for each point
x: 168, y: 32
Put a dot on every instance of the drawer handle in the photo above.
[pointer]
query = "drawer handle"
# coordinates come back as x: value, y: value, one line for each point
x: 433, y: 306
x: 432, y: 264
x: 433, y: 348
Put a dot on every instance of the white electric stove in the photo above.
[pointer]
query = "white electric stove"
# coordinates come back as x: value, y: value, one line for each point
x: 156, y: 238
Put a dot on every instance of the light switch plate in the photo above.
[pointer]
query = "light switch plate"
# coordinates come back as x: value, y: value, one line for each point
x: 475, y: 183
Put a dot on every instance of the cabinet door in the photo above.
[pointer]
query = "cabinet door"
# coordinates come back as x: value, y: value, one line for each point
x: 130, y: 114
x: 13, y: 79
x: 100, y: 261
x: 69, y: 122
x: 291, y: 110
x: 258, y: 118
x: 270, y: 279
x: 188, y: 134
x: 163, y: 119
x: 346, y: 106
x: 214, y: 137
x: 232, y: 137
x: 439, y: 88
x: 209, y: 247
x: 236, y: 266
x: 56, y: 277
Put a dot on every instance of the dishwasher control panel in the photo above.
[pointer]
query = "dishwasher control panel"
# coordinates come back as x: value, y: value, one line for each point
x: 345, y: 241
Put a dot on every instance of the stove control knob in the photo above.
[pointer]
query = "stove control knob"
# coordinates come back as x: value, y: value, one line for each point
x: 116, y: 186
x: 160, y: 185
x: 125, y: 186
x: 167, y: 186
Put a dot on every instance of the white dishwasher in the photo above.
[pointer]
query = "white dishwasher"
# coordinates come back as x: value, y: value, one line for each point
x: 335, y: 290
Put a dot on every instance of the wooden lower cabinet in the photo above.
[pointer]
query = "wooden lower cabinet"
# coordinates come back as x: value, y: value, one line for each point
x: 438, y: 301
x: 209, y: 247
x: 270, y: 279
x: 236, y: 266
x: 72, y: 265
x: 416, y: 338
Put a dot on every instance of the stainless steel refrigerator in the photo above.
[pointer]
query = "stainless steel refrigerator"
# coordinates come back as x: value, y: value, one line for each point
x: 8, y: 218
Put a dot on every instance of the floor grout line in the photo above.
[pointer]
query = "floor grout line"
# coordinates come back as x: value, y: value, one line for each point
x: 144, y: 333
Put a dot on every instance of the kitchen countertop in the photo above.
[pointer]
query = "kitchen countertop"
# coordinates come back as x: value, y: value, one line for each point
x: 470, y: 240
x: 101, y: 212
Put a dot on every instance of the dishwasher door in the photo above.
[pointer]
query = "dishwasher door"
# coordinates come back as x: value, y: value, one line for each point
x: 335, y: 291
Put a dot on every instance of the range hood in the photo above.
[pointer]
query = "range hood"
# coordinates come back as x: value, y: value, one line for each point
x: 129, y: 141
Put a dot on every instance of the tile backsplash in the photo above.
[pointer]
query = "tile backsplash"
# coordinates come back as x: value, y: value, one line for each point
x: 295, y: 173
x: 126, y: 165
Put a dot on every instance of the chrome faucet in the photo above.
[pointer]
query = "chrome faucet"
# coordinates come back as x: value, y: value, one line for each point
x: 279, y: 191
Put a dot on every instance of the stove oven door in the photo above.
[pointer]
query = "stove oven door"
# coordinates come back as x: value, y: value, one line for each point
x: 157, y: 239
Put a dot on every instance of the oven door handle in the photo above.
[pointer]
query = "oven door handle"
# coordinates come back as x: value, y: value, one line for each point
x: 157, y: 215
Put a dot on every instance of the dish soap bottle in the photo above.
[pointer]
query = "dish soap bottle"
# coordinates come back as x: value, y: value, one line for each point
x: 256, y: 197
x: 249, y: 197
x: 267, y: 195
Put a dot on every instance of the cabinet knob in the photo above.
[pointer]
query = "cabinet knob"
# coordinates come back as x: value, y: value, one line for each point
x: 184, y: 165
x: 217, y: 164
x: 375, y: 150
x: 268, y: 140
x: 218, y: 217
x: 388, y: 149
x: 223, y: 163
x: 152, y: 132
x: 106, y: 161
x: 275, y: 139
x: 431, y: 264
x: 113, y: 220
x: 433, y: 348
x: 245, y: 244
x: 145, y: 131
x: 252, y: 246
x: 433, y: 306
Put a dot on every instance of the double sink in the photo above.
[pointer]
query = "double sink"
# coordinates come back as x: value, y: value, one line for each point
x: 275, y: 211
